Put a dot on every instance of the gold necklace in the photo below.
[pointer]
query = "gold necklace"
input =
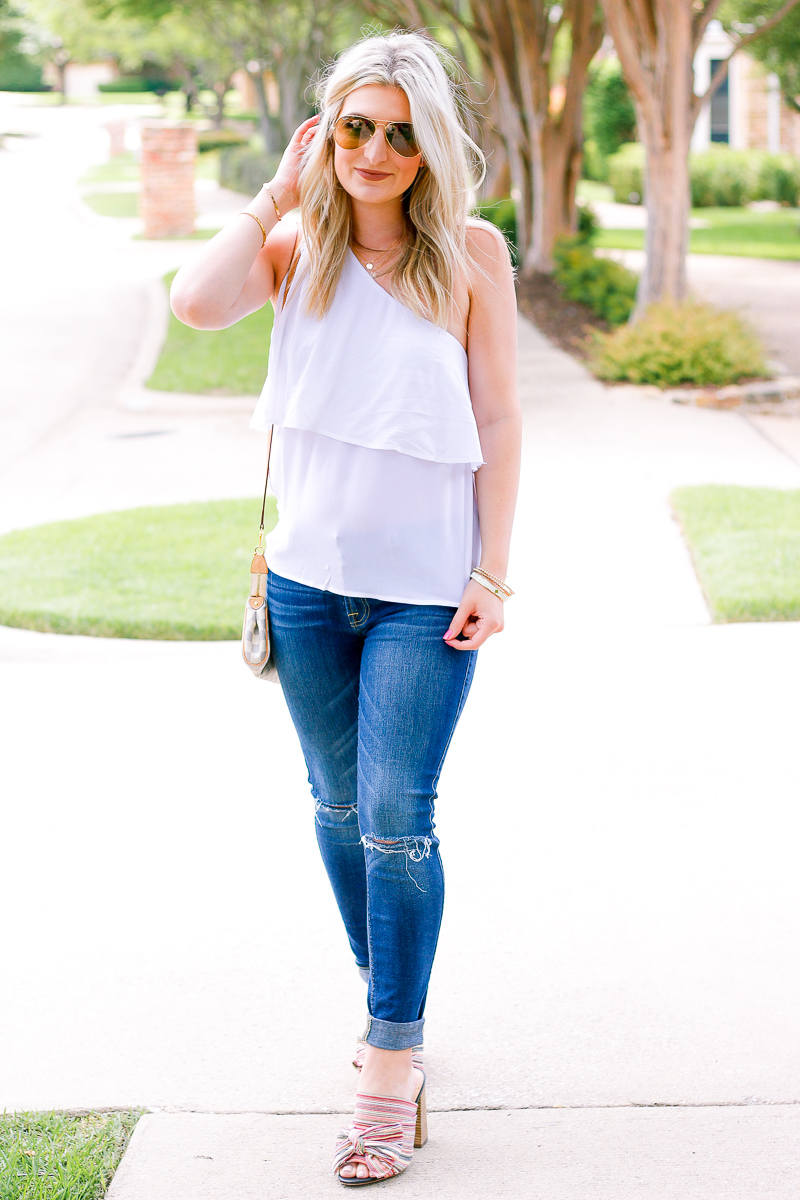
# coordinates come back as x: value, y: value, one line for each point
x: 371, y: 250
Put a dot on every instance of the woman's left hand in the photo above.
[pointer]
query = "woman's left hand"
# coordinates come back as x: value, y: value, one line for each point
x: 478, y: 616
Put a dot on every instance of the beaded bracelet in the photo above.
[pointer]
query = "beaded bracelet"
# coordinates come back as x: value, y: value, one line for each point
x: 501, y: 583
x: 491, y: 587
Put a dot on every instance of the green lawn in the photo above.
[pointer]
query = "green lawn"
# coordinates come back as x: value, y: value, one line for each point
x: 745, y: 543
x: 178, y: 573
x: 224, y: 362
x: 122, y: 169
x: 737, y: 231
x: 113, y: 204
x: 52, y: 1156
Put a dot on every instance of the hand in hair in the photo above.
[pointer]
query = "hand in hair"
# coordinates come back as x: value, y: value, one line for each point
x: 285, y: 180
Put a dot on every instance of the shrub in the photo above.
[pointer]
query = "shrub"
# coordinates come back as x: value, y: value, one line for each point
x: 610, y: 118
x: 675, y: 344
x: 626, y: 173
x: 244, y: 170
x: 606, y: 287
x: 139, y: 83
x: 219, y: 139
x: 587, y: 222
x: 719, y: 177
x: 503, y: 214
x: 778, y: 179
x: 18, y: 73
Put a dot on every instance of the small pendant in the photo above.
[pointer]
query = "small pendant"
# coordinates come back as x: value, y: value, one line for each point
x: 369, y: 266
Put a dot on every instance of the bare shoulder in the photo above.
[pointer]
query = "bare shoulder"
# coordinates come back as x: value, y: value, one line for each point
x: 279, y: 248
x: 491, y: 259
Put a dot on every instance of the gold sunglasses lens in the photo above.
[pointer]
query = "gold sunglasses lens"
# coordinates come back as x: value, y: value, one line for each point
x: 352, y: 132
x: 400, y: 136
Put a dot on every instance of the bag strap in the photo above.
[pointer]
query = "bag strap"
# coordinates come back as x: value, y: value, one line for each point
x: 292, y: 269
x: 266, y: 485
x: 289, y: 278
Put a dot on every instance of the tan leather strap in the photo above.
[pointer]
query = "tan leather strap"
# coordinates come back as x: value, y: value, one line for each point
x: 292, y: 269
x: 266, y: 484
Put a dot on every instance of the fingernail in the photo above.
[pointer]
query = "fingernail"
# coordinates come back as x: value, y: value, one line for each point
x: 447, y: 635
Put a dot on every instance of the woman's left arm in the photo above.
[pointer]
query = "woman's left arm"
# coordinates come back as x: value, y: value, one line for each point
x: 492, y: 352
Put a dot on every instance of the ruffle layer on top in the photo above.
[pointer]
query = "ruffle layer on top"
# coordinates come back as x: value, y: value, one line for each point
x: 370, y: 373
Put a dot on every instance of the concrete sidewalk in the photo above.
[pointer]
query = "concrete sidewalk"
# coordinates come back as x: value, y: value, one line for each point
x: 618, y: 818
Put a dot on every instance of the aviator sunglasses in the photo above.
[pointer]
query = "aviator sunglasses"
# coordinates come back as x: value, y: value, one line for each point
x: 353, y: 131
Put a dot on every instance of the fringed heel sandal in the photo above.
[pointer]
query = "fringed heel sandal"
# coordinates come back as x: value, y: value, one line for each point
x: 383, y: 1136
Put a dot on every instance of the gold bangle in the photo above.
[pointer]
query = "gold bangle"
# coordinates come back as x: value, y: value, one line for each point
x: 268, y: 189
x: 261, y: 227
x: 490, y: 587
x: 501, y: 583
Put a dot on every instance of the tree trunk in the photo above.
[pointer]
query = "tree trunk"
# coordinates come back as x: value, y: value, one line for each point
x: 264, y: 124
x: 656, y: 42
x: 544, y: 146
x: 666, y: 196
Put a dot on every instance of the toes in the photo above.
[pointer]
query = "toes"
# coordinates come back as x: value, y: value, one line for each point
x: 362, y: 1171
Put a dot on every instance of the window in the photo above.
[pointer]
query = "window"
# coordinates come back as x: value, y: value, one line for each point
x: 720, y: 127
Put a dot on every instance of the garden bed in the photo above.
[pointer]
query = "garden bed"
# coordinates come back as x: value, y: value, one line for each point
x: 565, y: 322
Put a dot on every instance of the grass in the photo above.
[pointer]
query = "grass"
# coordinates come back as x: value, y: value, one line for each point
x: 594, y: 193
x: 197, y: 235
x: 224, y: 362
x: 736, y: 231
x: 54, y: 1156
x: 113, y: 204
x: 122, y: 169
x: 125, y: 169
x: 745, y: 543
x: 177, y: 573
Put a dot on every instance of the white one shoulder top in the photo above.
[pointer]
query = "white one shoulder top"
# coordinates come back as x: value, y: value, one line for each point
x: 374, y: 447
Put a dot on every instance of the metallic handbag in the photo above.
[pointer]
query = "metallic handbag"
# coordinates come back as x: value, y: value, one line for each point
x: 256, y: 649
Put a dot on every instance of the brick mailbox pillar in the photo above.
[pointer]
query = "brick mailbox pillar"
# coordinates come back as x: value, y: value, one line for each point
x: 167, y: 195
x: 116, y: 137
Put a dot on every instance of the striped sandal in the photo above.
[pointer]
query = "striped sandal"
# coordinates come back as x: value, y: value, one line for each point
x: 384, y: 1133
x: 417, y: 1054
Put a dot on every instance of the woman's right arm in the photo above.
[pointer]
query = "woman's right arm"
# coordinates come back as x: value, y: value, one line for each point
x: 232, y: 275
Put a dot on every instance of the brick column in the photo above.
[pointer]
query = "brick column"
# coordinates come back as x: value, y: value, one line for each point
x: 116, y: 137
x: 166, y: 200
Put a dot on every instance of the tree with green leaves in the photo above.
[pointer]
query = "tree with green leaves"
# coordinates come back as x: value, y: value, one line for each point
x: 777, y: 49
x: 656, y: 41
x: 534, y: 60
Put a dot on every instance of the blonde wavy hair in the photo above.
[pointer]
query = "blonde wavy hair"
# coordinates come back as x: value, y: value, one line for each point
x: 437, y: 203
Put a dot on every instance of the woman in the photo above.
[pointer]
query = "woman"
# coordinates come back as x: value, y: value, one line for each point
x: 391, y: 391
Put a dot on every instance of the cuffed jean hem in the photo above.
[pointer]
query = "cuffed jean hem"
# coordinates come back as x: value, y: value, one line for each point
x: 393, y: 1035
x: 363, y: 972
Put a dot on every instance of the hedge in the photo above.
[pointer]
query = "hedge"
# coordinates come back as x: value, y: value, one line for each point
x: 719, y: 178
x: 139, y: 83
x: 608, y: 288
x: 244, y: 170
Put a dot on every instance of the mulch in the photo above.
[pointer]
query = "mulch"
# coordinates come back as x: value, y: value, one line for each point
x: 565, y: 322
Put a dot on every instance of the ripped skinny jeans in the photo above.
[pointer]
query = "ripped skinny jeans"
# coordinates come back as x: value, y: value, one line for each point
x: 375, y: 693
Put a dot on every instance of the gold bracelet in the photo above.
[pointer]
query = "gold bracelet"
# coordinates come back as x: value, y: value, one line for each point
x: 268, y: 190
x: 490, y: 587
x: 501, y: 583
x: 261, y: 227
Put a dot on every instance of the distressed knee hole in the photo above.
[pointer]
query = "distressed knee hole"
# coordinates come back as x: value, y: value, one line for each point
x: 415, y: 849
x: 337, y: 811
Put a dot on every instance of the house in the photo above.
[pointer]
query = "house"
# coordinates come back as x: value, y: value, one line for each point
x: 747, y: 112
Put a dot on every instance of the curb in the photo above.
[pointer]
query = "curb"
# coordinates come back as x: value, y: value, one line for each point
x: 133, y: 396
x: 769, y: 394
